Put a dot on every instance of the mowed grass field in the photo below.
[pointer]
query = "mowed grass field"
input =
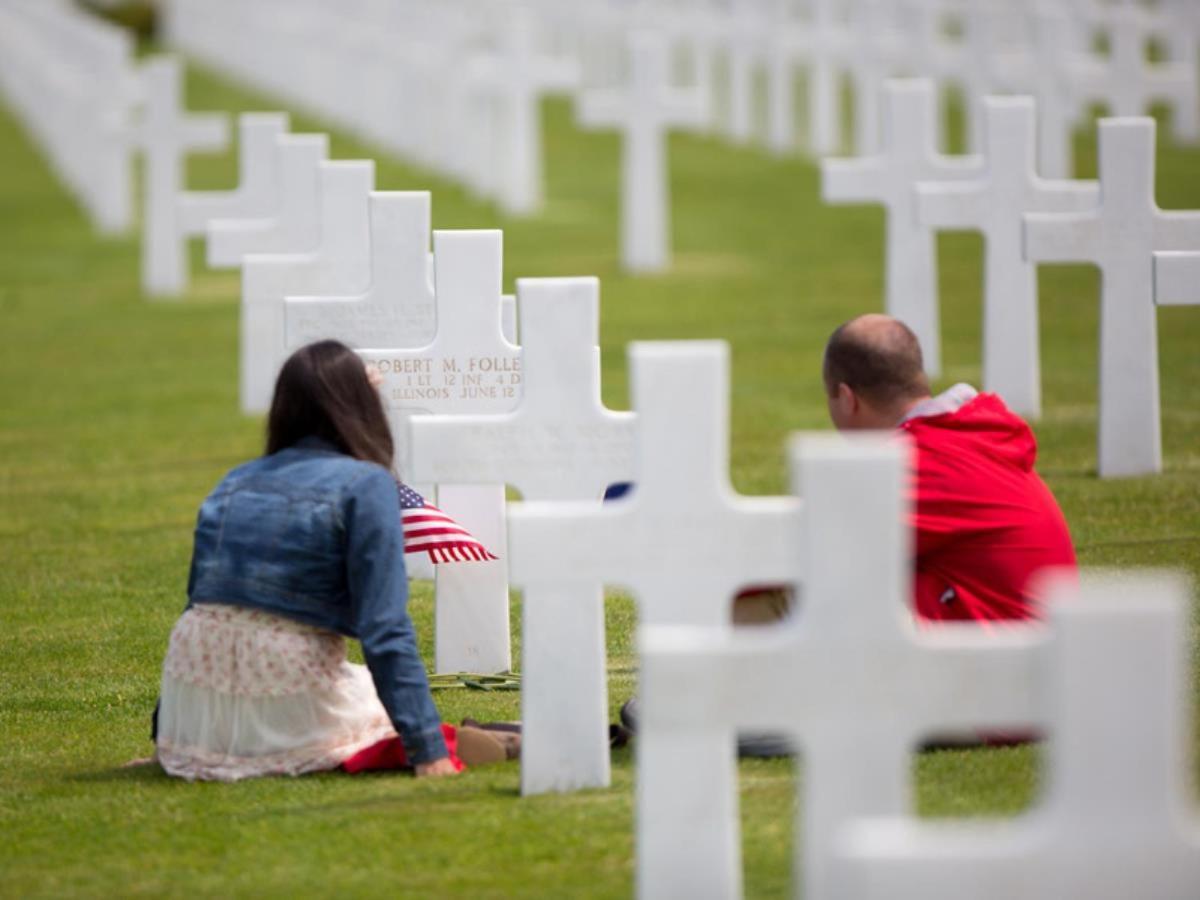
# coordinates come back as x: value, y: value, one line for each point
x: 119, y: 413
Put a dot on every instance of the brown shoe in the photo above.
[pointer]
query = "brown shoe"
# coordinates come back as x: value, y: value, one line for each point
x: 477, y: 747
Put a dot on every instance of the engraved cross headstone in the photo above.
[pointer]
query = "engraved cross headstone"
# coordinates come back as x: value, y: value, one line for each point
x: 682, y: 541
x: 560, y: 443
x: 469, y: 367
x: 339, y: 264
x: 908, y: 156
x: 294, y: 225
x: 851, y: 677
x: 397, y: 309
x: 1116, y: 820
x: 994, y: 204
x: 1120, y: 238
x: 645, y: 111
x: 166, y: 134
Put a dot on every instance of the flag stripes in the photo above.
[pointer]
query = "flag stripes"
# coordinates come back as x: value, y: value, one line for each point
x: 429, y: 530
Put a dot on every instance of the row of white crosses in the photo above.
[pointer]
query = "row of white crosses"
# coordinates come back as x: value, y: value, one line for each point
x: 850, y: 678
x: 70, y: 78
x: 455, y: 87
x: 74, y: 81
x: 1026, y: 219
x: 324, y: 255
x: 428, y: 83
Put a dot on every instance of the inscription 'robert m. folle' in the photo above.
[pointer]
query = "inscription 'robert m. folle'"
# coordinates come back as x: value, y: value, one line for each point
x: 422, y: 378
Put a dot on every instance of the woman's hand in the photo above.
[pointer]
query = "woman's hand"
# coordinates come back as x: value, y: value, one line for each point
x: 374, y: 376
x: 435, y: 769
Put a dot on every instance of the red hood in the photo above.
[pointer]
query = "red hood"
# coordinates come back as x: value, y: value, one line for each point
x: 983, y: 423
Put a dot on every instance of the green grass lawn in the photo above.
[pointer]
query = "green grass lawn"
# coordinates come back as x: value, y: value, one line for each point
x: 117, y: 415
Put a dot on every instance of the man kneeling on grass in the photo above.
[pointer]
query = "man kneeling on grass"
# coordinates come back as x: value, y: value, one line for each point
x: 983, y: 521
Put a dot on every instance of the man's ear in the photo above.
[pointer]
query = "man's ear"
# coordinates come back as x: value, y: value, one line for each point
x: 847, y: 399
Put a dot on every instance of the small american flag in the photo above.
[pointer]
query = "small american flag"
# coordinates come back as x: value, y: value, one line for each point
x: 429, y: 530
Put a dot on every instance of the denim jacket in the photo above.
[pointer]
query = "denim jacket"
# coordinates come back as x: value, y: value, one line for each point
x: 314, y: 535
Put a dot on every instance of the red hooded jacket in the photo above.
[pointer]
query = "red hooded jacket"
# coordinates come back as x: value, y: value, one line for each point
x: 984, y: 521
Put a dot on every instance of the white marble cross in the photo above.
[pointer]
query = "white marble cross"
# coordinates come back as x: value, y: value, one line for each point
x: 1117, y: 820
x: 469, y: 367
x: 645, y: 111
x: 257, y: 193
x: 295, y: 225
x: 1127, y: 83
x: 823, y: 41
x: 1047, y: 78
x: 871, y: 56
x: 520, y: 75
x: 1120, y: 238
x: 339, y: 264
x: 742, y: 34
x: 397, y: 309
x: 166, y: 134
x: 851, y: 678
x: 1177, y: 278
x: 560, y: 443
x: 909, y: 155
x: 682, y: 541
x: 994, y: 204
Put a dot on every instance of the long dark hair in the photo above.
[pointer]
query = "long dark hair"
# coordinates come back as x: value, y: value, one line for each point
x: 323, y: 391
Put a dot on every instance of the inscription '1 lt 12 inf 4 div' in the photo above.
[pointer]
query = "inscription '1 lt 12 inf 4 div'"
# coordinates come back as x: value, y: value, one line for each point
x: 469, y: 378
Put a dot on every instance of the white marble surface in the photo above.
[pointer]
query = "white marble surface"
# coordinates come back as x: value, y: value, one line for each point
x: 645, y: 110
x: 166, y: 133
x: 338, y: 264
x: 469, y: 367
x: 994, y: 205
x: 1116, y: 819
x: 909, y: 154
x: 559, y: 443
x: 851, y: 678
x: 294, y: 226
x: 1120, y: 237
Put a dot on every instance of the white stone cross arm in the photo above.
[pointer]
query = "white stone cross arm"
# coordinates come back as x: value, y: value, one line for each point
x: 560, y: 442
x: 469, y: 367
x: 397, y: 309
x: 671, y: 539
x: 994, y: 204
x: 166, y: 134
x: 1177, y: 278
x: 338, y: 264
x: 1128, y: 83
x: 294, y: 226
x: 682, y: 541
x: 1120, y: 237
x: 645, y: 110
x: 257, y: 193
x: 1117, y: 819
x: 908, y: 155
x: 851, y: 677
x: 520, y: 74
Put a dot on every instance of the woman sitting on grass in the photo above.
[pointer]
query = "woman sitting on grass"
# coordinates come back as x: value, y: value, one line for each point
x: 293, y: 551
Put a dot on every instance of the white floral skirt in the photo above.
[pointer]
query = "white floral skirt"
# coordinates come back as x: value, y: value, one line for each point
x: 248, y: 693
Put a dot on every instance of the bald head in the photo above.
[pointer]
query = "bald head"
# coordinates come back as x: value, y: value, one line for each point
x: 875, y: 360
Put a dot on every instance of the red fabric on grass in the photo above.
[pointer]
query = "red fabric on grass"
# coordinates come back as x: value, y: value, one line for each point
x: 389, y: 754
x: 984, y: 522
